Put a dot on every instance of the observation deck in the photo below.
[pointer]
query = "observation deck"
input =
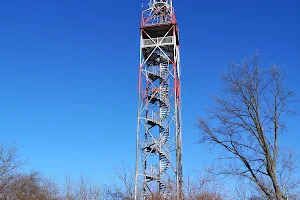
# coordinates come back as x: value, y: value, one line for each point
x: 159, y: 31
x: 156, y: 22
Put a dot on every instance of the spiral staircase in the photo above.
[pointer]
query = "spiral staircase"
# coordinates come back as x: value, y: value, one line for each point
x: 160, y: 97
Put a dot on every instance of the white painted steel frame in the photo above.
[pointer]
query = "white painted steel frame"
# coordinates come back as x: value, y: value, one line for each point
x: 157, y: 172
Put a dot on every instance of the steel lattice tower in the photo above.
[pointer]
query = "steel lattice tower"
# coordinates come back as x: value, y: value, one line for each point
x: 159, y: 146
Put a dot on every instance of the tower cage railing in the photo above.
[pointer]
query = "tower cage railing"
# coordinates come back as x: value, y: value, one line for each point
x: 157, y: 41
x: 158, y: 16
x: 153, y: 69
x: 153, y: 2
x: 152, y: 171
x: 153, y: 116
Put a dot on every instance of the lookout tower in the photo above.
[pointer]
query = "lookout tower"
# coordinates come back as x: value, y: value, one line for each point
x: 159, y: 146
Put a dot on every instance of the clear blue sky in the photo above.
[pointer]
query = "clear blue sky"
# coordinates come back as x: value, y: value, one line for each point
x: 69, y: 72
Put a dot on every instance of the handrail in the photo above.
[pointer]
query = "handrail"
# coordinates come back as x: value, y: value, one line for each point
x: 157, y: 41
x: 150, y: 18
x: 153, y: 69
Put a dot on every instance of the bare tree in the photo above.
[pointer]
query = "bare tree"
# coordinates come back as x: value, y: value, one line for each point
x: 18, y: 186
x: 50, y: 189
x: 26, y: 186
x: 247, y: 123
x: 83, y: 188
x: 204, y: 185
x: 30, y: 186
x: 123, y: 184
x: 68, y: 189
x: 9, y: 164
